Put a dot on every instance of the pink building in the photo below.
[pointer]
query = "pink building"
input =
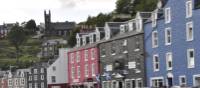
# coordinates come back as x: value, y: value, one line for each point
x: 83, y: 62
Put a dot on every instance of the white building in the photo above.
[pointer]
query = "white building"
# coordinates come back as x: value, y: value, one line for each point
x: 57, y: 72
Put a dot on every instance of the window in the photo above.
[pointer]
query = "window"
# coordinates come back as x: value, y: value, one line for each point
x: 127, y: 84
x: 103, y: 52
x: 191, y: 58
x: 169, y: 61
x: 36, y: 85
x: 168, y: 36
x: 86, y: 55
x: 78, y: 71
x: 42, y: 85
x: 72, y: 58
x: 53, y: 79
x: 72, y: 72
x: 125, y: 43
x: 156, y: 63
x: 155, y: 39
x: 93, y: 54
x: 154, y: 19
x: 182, y: 81
x: 157, y: 82
x: 113, y: 49
x: 93, y: 69
x: 42, y: 77
x: 54, y: 68
x: 42, y: 70
x: 86, y: 70
x: 139, y: 83
x: 35, y: 77
x: 196, y: 4
x: 30, y: 85
x: 77, y: 56
x: 30, y: 78
x: 188, y: 8
x: 109, y: 67
x: 35, y: 71
x: 167, y: 15
x: 189, y: 31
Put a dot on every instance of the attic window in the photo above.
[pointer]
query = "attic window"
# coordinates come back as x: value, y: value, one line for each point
x: 196, y: 4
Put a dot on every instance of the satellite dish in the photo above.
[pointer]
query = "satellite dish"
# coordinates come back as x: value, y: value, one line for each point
x: 159, y: 4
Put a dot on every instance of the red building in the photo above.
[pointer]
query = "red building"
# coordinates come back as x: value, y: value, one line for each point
x: 83, y: 62
x: 3, y: 83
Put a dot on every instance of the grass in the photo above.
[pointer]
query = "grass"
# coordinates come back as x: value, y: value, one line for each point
x: 28, y: 54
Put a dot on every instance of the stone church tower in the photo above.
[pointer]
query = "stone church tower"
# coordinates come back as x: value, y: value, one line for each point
x: 47, y: 20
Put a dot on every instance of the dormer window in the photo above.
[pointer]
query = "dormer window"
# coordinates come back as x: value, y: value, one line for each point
x: 130, y: 25
x: 196, y: 4
x: 98, y: 36
x: 139, y: 24
x: 154, y: 18
x: 122, y: 28
x: 91, y: 38
x: 188, y: 9
x: 84, y: 40
x: 167, y: 15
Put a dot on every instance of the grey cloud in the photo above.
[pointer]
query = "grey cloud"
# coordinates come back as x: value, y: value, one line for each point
x: 68, y: 3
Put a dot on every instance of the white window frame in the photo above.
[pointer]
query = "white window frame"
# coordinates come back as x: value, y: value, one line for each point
x: 93, y: 69
x: 42, y: 77
x: 42, y: 84
x: 93, y: 53
x: 180, y: 80
x: 77, y: 56
x: 154, y: 45
x: 78, y: 71
x: 86, y: 55
x: 169, y: 59
x: 35, y: 77
x: 154, y: 63
x: 72, y: 72
x: 35, y: 71
x: 188, y: 58
x: 156, y: 78
x: 167, y: 15
x: 86, y: 70
x: 195, y: 76
x: 42, y: 70
x: 72, y: 57
x: 189, y: 8
x: 168, y: 36
x: 154, y: 18
x: 30, y: 85
x: 188, y: 25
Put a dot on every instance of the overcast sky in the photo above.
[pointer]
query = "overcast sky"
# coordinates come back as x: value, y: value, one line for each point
x: 61, y: 10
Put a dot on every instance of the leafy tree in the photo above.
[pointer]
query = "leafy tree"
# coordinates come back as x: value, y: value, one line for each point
x: 132, y: 6
x: 30, y: 27
x: 16, y: 38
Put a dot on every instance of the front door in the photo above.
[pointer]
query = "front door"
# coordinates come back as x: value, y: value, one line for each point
x: 133, y: 83
x: 120, y: 84
x: 170, y: 81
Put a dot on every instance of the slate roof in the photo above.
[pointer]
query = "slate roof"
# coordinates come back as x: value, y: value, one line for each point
x: 63, y: 25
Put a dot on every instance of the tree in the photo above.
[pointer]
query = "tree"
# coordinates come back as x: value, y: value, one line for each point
x: 16, y: 38
x: 30, y: 27
x: 72, y: 38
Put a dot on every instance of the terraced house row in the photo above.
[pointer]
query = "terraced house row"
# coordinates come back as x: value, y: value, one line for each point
x: 155, y: 49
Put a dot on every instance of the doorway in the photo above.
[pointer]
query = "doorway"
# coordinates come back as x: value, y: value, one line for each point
x: 170, y: 81
x: 120, y: 84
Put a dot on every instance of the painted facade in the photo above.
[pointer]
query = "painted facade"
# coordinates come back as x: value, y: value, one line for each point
x: 83, y: 62
x: 57, y: 73
x: 122, y: 54
x: 171, y: 44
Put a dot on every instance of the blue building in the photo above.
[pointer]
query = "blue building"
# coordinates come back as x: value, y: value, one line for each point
x: 172, y: 42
